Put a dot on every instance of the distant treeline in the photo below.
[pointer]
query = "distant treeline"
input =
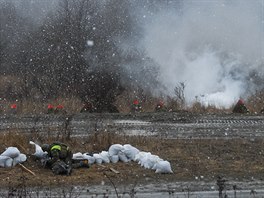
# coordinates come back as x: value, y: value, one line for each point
x: 84, y: 48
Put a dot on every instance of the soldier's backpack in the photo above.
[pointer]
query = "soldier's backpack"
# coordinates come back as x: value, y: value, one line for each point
x: 61, y: 168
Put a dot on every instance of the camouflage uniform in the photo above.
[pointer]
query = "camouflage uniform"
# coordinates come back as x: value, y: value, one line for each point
x: 240, y: 107
x: 60, y: 158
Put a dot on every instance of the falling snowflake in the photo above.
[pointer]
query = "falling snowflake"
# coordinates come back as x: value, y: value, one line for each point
x: 90, y: 43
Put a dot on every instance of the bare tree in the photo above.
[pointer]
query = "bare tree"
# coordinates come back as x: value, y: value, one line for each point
x: 179, y: 94
x: 53, y: 58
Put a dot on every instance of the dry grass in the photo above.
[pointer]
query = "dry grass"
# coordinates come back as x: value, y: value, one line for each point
x: 96, y: 142
x: 125, y: 101
x: 255, y: 103
x: 13, y: 88
x: 73, y: 105
x: 199, y: 108
x: 189, y: 158
x: 27, y: 106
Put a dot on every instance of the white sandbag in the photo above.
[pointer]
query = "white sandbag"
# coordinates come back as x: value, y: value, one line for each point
x: 105, y: 157
x: 143, y: 159
x: 11, y: 152
x: 114, y: 149
x: 149, y: 160
x: 19, y: 159
x: 154, y: 160
x: 5, y: 161
x: 122, y: 157
x: 130, y: 151
x: 140, y: 155
x: 78, y: 155
x: 98, y: 158
x: 114, y: 158
x: 163, y: 167
x: 91, y: 159
x: 39, y: 153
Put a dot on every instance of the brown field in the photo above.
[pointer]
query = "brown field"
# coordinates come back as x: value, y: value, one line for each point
x: 190, y: 159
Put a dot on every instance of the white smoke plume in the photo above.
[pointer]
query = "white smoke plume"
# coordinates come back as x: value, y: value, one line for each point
x: 212, y: 46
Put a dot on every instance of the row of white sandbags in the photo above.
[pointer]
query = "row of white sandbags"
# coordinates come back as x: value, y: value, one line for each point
x: 11, y: 157
x: 126, y: 153
x: 115, y: 153
x: 118, y: 152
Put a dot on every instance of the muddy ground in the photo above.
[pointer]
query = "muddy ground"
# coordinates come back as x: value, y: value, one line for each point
x: 192, y: 159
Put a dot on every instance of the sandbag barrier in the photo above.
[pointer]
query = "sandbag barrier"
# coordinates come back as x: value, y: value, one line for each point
x: 11, y: 157
x: 117, y: 152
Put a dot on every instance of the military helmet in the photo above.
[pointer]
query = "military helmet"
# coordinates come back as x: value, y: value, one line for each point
x: 45, y: 147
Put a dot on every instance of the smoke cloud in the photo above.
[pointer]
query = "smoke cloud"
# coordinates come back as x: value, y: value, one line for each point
x: 211, y: 46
